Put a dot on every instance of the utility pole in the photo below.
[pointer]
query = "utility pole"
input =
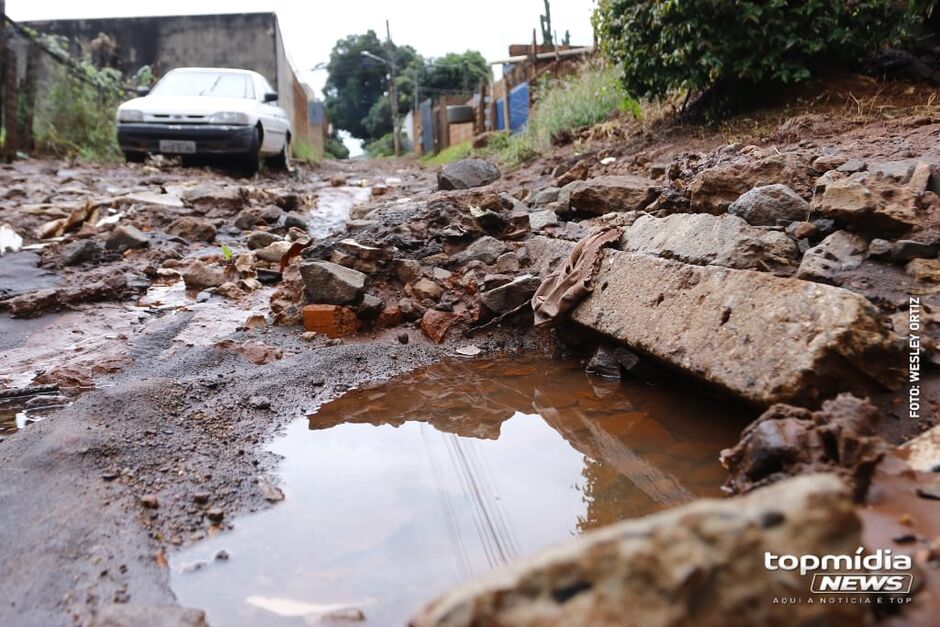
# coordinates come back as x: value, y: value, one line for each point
x: 393, y: 90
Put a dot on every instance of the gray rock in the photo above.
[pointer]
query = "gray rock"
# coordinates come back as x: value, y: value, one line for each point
x: 604, y: 194
x: 507, y: 262
x: 899, y: 171
x: 763, y: 338
x: 426, y: 289
x: 698, y: 564
x: 273, y: 251
x: 851, y: 166
x: 770, y: 205
x: 292, y: 220
x: 370, y: 307
x: 538, y: 220
x: 507, y: 297
x: 485, y: 249
x: 125, y: 237
x: 261, y: 239
x: 703, y: 239
x: 610, y: 361
x: 192, y: 229
x: 79, y: 251
x: 248, y: 218
x: 880, y: 248
x: 331, y: 284
x: 544, y: 196
x: 905, y: 250
x: 838, y: 253
x: 467, y: 173
x: 199, y: 276
x: 407, y: 270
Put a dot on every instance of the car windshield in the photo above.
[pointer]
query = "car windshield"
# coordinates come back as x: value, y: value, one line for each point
x: 218, y: 84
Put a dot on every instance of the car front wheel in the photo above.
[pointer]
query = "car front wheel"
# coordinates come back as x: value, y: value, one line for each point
x: 251, y: 161
x: 281, y: 161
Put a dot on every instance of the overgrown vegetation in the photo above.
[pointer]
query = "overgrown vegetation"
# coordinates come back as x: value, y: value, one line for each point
x: 385, y: 146
x: 303, y: 151
x: 74, y: 111
x: 726, y: 50
x: 562, y: 105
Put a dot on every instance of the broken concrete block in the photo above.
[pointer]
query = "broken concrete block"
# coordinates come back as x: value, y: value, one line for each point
x: 330, y: 320
x: 702, y: 560
x: 703, y: 239
x: 838, y: 253
x: 870, y: 203
x: 332, y: 284
x: 609, y: 193
x: 764, y: 338
x: 507, y: 297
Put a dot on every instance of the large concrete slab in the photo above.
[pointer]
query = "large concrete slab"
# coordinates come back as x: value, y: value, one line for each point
x: 764, y: 338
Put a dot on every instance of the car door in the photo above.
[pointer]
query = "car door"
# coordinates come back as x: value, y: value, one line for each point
x: 273, y: 120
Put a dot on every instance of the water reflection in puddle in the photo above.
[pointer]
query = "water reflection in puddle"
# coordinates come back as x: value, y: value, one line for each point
x: 397, y: 492
x: 18, y: 413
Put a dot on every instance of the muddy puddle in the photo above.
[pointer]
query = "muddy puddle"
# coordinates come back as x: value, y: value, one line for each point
x: 332, y: 210
x: 396, y: 492
x: 19, y: 413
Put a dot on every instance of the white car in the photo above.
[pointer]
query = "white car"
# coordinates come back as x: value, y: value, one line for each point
x: 207, y: 111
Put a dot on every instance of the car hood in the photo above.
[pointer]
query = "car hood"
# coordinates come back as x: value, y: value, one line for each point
x: 188, y: 105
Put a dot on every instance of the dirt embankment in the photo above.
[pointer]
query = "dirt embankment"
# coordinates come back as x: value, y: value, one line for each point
x: 191, y: 315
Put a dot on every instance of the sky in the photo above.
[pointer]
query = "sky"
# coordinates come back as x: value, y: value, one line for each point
x: 311, y: 28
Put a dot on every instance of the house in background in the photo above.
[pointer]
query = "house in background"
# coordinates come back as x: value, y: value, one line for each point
x: 249, y: 41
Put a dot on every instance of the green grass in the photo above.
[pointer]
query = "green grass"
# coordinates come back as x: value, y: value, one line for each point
x: 303, y: 151
x: 586, y: 98
x: 449, y: 154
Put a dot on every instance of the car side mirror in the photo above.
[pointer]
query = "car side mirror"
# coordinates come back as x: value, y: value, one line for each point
x: 142, y: 90
x: 271, y: 96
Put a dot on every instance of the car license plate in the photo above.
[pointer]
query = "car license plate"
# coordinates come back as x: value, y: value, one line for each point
x: 178, y: 147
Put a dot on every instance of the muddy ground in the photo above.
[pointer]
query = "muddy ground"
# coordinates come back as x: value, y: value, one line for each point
x: 171, y: 390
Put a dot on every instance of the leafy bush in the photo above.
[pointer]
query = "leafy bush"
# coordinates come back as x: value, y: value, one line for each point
x: 727, y: 47
x: 335, y: 148
x: 303, y: 151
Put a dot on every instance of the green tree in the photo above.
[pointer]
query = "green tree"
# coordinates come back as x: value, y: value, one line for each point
x: 356, y: 82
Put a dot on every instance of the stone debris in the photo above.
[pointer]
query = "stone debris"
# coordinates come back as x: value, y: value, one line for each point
x: 127, y: 237
x: 704, y: 239
x: 787, y: 441
x: 764, y: 338
x: 695, y: 561
x: 770, y: 205
x: 332, y: 284
x: 511, y: 295
x: 330, y: 320
x: 840, y: 252
x: 604, y: 194
x: 466, y: 174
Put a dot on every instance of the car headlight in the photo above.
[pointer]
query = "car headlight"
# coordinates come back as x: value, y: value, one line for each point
x: 130, y: 115
x: 229, y: 117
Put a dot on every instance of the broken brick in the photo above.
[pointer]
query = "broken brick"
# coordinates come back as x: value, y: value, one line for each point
x: 331, y: 320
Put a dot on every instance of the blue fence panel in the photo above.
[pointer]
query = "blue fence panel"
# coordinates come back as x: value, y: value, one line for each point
x: 316, y: 113
x: 518, y: 107
x: 500, y: 114
x: 427, y: 128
